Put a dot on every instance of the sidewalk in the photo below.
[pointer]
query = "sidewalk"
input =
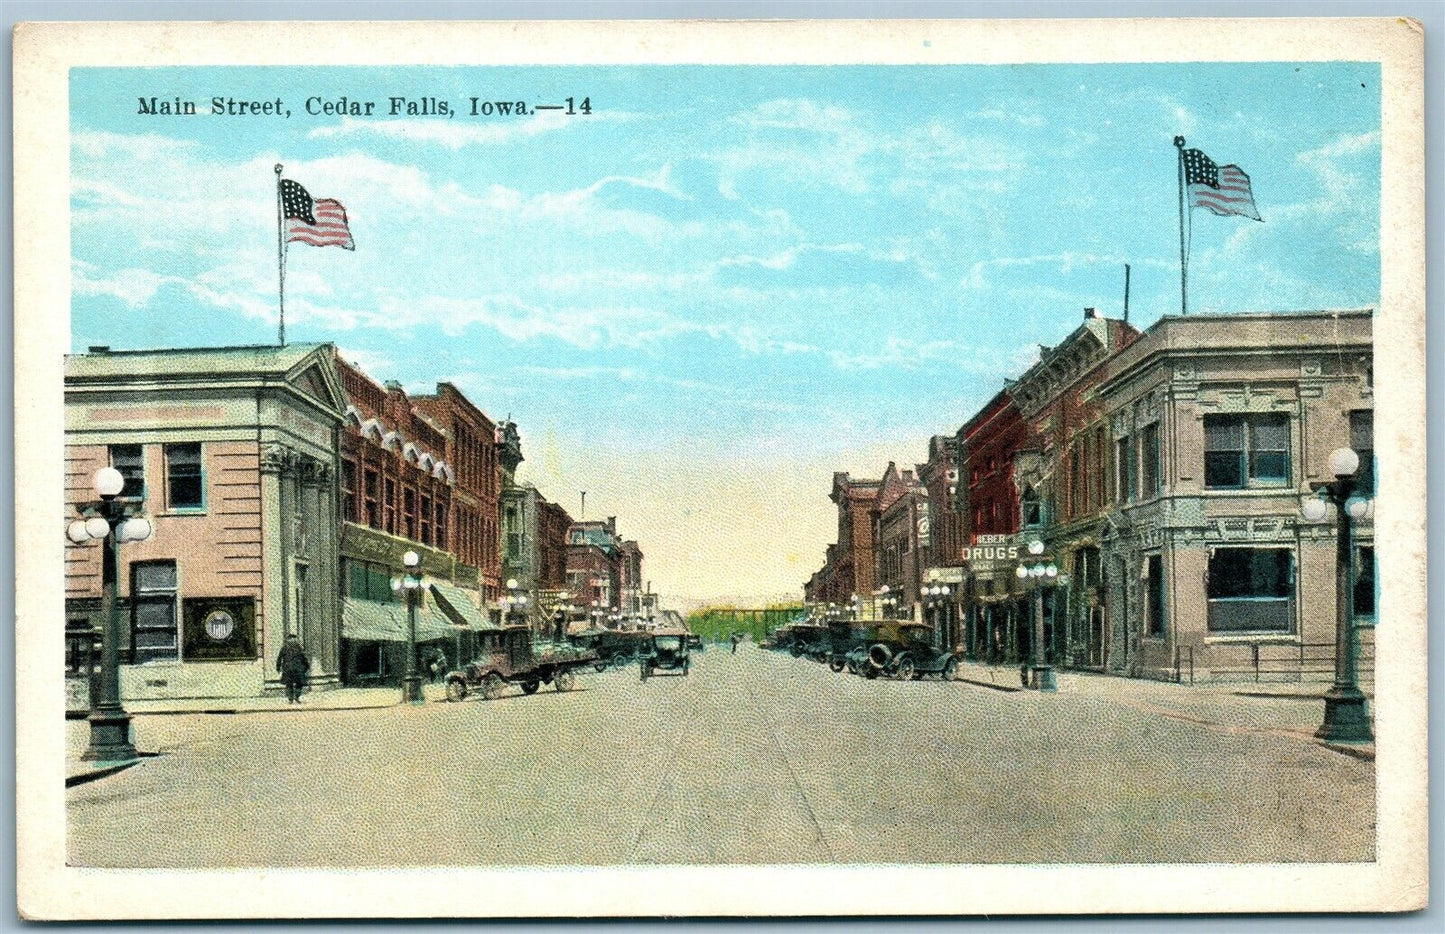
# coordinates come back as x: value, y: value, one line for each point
x: 1283, y: 709
x: 77, y: 733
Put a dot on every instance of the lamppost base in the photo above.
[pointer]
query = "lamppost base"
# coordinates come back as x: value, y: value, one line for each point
x: 1041, y: 678
x: 1347, y: 717
x: 110, y: 738
x: 411, y: 690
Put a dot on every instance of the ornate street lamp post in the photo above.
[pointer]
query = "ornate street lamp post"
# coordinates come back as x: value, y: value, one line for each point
x: 411, y: 585
x: 1347, y: 714
x: 110, y: 521
x: 1036, y: 574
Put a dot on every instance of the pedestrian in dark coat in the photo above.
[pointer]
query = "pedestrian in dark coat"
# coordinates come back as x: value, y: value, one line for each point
x: 294, y: 667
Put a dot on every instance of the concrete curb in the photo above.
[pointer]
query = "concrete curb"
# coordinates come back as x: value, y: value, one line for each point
x: 214, y: 711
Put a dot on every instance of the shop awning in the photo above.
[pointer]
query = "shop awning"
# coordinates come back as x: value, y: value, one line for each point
x: 458, y: 604
x: 370, y: 621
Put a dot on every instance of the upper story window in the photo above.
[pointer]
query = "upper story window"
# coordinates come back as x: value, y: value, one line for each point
x: 185, y: 484
x: 1124, y: 467
x: 127, y: 458
x: 1246, y: 450
x: 1362, y: 439
x: 1149, y: 466
x: 1031, y: 508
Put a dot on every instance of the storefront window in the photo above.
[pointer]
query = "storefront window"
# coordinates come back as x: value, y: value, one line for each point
x: 153, y: 634
x: 1251, y: 590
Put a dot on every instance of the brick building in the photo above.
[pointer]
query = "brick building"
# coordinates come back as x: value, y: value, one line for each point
x: 901, y: 550
x: 417, y: 475
x: 852, y: 570
x: 594, y: 573
x: 989, y: 504
x: 1063, y: 478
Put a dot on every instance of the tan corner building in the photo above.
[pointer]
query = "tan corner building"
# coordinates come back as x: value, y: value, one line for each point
x: 232, y: 452
x: 1219, y: 424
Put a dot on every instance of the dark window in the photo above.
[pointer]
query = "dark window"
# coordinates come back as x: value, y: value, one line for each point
x: 1362, y: 439
x: 1365, y: 583
x: 1031, y: 508
x: 372, y: 515
x: 1154, y: 604
x: 127, y: 458
x: 153, y: 630
x: 1149, y: 473
x: 441, y: 525
x: 1124, y: 470
x: 408, y: 512
x: 185, y: 487
x: 1251, y: 590
x: 426, y: 517
x: 388, y: 506
x: 1243, y: 450
x: 348, y: 491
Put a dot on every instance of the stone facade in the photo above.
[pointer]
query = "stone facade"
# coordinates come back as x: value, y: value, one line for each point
x: 1215, y: 564
x: 234, y: 454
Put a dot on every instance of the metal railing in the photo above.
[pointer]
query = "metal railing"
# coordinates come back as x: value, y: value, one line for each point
x: 1298, y: 662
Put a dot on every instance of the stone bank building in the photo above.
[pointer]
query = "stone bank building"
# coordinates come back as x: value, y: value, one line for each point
x: 233, y: 455
x: 1219, y: 425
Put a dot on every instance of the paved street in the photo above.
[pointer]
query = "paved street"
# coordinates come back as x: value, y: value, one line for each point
x: 753, y: 758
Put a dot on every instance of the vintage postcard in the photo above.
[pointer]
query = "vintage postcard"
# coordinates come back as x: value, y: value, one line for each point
x: 630, y: 469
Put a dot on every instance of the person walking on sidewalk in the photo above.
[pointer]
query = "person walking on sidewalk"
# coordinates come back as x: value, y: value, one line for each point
x: 736, y: 638
x: 294, y: 666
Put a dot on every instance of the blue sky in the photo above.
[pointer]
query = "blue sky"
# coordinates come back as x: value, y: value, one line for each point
x: 725, y: 282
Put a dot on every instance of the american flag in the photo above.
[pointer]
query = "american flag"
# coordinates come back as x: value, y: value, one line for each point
x: 317, y: 221
x: 1223, y: 189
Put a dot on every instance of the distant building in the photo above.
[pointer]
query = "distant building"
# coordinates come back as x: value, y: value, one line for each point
x: 594, y: 573
x: 901, y: 553
x: 853, y: 571
x: 233, y: 453
x: 535, y: 548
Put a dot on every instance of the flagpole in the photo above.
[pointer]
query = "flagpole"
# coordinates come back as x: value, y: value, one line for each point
x: 1183, y: 256
x: 280, y: 257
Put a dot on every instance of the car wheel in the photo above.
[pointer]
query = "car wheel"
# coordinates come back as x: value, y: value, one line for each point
x: 903, y: 671
x: 492, y: 686
x: 950, y: 669
x: 836, y: 664
x: 565, y: 681
x: 530, y: 687
x: 456, y: 689
x: 600, y: 664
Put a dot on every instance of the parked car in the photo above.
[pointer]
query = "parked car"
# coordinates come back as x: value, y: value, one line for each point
x: 905, y: 651
x: 670, y: 651
x: 510, y: 655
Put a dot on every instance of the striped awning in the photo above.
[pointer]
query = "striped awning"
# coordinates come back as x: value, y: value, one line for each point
x: 458, y: 604
x: 371, y: 621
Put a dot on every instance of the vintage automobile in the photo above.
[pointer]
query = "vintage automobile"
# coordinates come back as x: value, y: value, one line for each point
x: 905, y: 651
x: 669, y: 653
x: 619, y: 646
x: 511, y: 655
x: 809, y: 638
